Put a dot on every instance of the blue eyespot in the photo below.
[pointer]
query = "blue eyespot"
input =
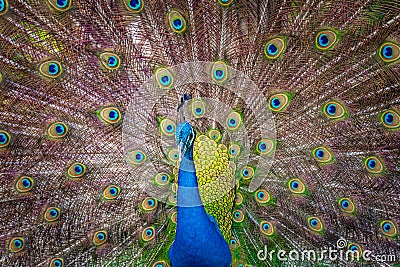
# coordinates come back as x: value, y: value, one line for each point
x: 275, y: 102
x: 219, y: 74
x: 60, y: 129
x: 177, y: 23
x: 237, y: 214
x: 54, y: 69
x: 135, y: 4
x: 113, y: 191
x: 272, y: 49
x: 389, y: 118
x: 294, y: 185
x: 265, y: 226
x: 386, y: 227
x: 113, y: 115
x: 323, y: 40
x: 345, y: 204
x: 112, y: 61
x: 371, y: 163
x: 26, y: 183
x: 262, y: 146
x: 331, y: 109
x: 57, y: 263
x: 18, y: 243
x: 260, y: 195
x: 314, y: 222
x: 101, y: 236
x: 2, y: 5
x: 149, y: 232
x: 53, y: 213
x: 150, y: 202
x: 62, y: 3
x: 353, y: 248
x: 165, y: 80
x: 387, y: 51
x: 246, y: 172
x: 3, y: 138
x: 78, y: 169
x: 320, y: 153
x: 232, y: 122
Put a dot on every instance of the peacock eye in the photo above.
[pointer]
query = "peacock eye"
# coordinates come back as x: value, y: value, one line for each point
x: 274, y: 48
x: 100, y: 237
x: 177, y: 22
x: 389, y: 52
x: 315, y: 224
x: 326, y: 39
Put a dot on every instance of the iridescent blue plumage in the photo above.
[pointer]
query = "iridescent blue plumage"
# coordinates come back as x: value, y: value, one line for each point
x: 198, y: 240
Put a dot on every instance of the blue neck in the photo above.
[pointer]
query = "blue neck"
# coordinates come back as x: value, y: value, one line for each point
x: 198, y: 241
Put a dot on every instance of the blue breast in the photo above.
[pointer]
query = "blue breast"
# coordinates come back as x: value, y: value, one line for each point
x: 198, y: 240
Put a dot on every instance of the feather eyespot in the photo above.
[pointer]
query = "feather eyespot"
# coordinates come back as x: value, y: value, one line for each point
x: 233, y: 243
x: 24, y: 184
x: 136, y: 157
x: 164, y: 78
x: 388, y: 228
x: 148, y: 233
x: 247, y: 172
x: 354, y: 248
x: 177, y: 22
x: 390, y: 119
x: 110, y: 61
x: 323, y: 155
x: 267, y: 228
x: 374, y: 165
x: 3, y: 6
x: 225, y: 3
x: 274, y: 48
x: 135, y: 6
x: 168, y: 127
x: 335, y: 110
x: 50, y: 69
x: 60, y: 5
x: 111, y: 192
x: 238, y: 199
x: 16, y: 244
x: 173, y: 155
x: 389, y: 52
x: 149, y: 203
x: 238, y: 216
x: 296, y: 186
x: 5, y: 139
x: 262, y: 196
x: 265, y: 146
x: 198, y: 108
x: 326, y: 39
x: 109, y: 115
x: 347, y: 205
x: 57, y: 262
x: 160, y: 264
x: 219, y: 72
x: 315, y: 224
x: 162, y: 179
x: 233, y: 121
x: 52, y: 214
x: 76, y: 170
x: 279, y: 102
x: 100, y: 237
x: 174, y: 217
x: 215, y: 135
x: 234, y: 150
x: 57, y: 130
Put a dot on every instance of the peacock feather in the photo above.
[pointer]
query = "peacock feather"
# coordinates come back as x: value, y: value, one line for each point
x: 199, y: 133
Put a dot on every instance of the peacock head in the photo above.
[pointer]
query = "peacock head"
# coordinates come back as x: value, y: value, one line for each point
x: 185, y: 136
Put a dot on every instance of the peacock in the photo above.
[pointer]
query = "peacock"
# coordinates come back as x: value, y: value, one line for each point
x: 199, y: 133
